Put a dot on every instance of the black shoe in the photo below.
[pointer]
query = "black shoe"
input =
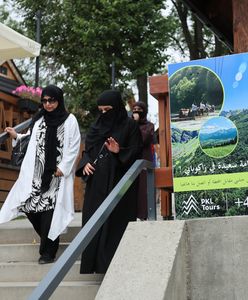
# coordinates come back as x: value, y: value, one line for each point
x: 45, y: 260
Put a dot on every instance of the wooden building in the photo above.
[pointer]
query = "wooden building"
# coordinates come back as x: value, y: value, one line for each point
x: 228, y: 20
x: 10, y: 78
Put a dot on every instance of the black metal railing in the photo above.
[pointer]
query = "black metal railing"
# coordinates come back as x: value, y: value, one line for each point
x: 60, y: 268
x: 18, y: 128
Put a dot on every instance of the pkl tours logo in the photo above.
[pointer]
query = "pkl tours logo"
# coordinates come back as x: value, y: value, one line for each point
x: 190, y: 205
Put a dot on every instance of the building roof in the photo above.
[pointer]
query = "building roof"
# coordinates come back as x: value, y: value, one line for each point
x: 8, y: 85
x: 10, y: 82
x: 216, y: 15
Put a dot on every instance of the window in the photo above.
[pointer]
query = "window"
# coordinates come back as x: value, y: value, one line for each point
x: 3, y: 70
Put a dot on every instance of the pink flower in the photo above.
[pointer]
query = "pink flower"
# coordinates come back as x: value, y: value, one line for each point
x: 27, y: 92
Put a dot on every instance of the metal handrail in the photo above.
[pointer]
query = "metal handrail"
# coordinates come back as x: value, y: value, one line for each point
x: 18, y: 128
x: 60, y: 268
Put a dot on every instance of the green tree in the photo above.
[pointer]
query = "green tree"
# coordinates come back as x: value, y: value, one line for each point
x: 195, y: 84
x: 80, y: 40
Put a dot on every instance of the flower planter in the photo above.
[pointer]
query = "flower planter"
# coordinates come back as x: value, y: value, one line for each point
x: 28, y: 105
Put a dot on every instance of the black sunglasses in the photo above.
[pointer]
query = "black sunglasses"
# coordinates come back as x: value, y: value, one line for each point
x: 50, y: 100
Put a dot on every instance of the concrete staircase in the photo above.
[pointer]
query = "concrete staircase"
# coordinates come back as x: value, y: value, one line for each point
x: 20, y: 272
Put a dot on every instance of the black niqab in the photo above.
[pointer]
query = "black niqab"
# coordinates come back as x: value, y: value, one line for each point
x: 142, y: 114
x: 106, y: 122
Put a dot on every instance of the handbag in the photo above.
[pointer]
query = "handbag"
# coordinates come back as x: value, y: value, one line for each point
x: 79, y: 170
x: 20, y: 150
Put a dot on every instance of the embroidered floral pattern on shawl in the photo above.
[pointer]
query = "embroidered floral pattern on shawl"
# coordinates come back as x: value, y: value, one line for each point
x: 38, y: 202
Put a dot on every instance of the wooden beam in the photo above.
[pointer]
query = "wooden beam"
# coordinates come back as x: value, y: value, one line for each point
x: 6, y: 185
x: 163, y: 178
x: 8, y: 98
x: 162, y: 130
x: 158, y: 85
x: 9, y: 172
x: 166, y: 205
x: 3, y: 196
x: 168, y: 151
x: 14, y: 70
x: 240, y: 25
x: 5, y: 155
x: 216, y: 15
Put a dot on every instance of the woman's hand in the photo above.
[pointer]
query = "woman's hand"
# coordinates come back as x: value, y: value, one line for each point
x: 11, y: 131
x: 112, y: 145
x: 88, y: 169
x: 58, y: 173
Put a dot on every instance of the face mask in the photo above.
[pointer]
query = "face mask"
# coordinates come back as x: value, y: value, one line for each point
x: 108, y: 115
x: 140, y: 113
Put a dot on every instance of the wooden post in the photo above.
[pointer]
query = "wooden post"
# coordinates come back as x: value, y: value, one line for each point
x: 240, y: 25
x: 163, y: 175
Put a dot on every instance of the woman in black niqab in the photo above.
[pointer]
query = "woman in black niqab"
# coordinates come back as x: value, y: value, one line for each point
x: 147, y: 132
x: 106, y: 122
x: 119, y: 139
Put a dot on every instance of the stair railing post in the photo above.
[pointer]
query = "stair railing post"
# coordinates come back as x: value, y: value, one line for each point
x: 151, y: 195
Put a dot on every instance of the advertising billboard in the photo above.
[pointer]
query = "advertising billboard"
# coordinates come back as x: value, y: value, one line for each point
x: 209, y: 120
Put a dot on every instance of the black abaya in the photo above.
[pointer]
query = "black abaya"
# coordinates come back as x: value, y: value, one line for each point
x: 109, y: 170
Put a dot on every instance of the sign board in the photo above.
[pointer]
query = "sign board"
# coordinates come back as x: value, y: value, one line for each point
x: 209, y: 121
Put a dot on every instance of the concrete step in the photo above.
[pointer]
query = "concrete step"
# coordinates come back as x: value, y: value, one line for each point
x: 20, y: 272
x: 17, y: 233
x: 72, y: 290
x: 32, y: 271
x: 23, y: 252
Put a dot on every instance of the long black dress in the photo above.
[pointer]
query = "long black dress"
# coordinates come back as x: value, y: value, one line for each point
x: 147, y: 131
x: 109, y: 170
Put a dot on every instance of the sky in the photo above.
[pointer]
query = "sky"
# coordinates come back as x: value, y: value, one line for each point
x: 232, y: 71
x: 217, y: 123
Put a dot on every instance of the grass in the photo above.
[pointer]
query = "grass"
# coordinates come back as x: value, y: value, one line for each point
x: 219, y: 151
